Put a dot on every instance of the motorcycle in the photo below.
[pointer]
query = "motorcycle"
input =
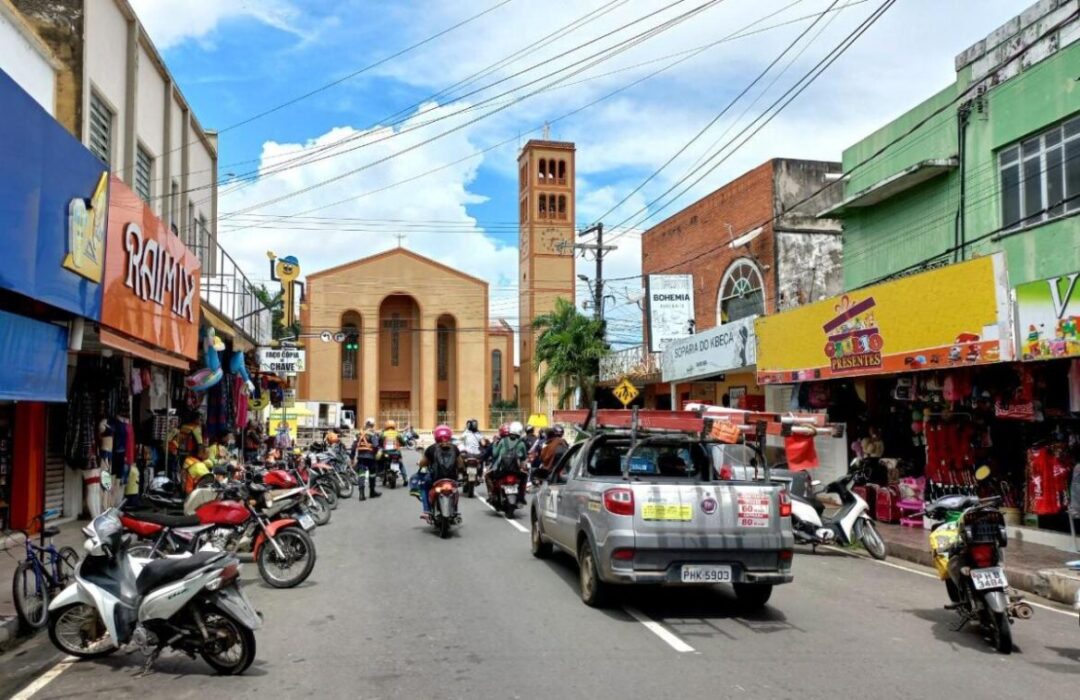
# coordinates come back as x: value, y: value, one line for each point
x: 443, y: 499
x: 852, y: 523
x: 391, y: 470
x: 193, y: 604
x: 333, y: 466
x: 504, y: 497
x: 313, y: 497
x: 283, y: 550
x: 470, y: 476
x: 966, y: 545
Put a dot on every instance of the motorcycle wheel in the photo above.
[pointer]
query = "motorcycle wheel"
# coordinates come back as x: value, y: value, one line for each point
x: 78, y: 630
x: 320, y: 510
x: 444, y: 528
x: 509, y: 507
x: 299, y: 560
x: 470, y: 490
x: 1002, y: 632
x: 872, y: 541
x: 233, y: 659
x: 330, y: 493
x: 143, y: 550
x: 345, y: 487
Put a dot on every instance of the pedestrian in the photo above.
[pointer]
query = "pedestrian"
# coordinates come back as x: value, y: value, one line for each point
x: 364, y: 449
x: 252, y: 441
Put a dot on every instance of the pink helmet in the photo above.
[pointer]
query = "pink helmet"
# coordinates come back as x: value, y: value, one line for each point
x: 504, y: 430
x: 443, y: 433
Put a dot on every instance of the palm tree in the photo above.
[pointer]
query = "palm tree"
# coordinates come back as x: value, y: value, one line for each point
x: 568, y: 352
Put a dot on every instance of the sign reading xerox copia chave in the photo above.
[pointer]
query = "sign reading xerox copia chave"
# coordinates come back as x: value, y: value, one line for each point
x: 281, y: 360
x: 1048, y: 318
x: 721, y: 349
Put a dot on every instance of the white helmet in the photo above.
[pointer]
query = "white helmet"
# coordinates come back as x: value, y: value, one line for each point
x: 516, y: 428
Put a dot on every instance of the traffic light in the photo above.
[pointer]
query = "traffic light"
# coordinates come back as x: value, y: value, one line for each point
x: 352, y: 342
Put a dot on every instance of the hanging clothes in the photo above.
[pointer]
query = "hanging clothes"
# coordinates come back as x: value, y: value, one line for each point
x: 1074, y: 386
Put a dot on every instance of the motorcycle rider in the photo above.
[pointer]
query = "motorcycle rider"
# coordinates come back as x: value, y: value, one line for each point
x: 391, y: 442
x: 553, y: 451
x: 442, y: 461
x: 472, y: 442
x: 364, y: 451
x: 509, y: 451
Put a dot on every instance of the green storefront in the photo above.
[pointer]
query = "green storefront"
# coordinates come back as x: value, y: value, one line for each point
x: 990, y: 163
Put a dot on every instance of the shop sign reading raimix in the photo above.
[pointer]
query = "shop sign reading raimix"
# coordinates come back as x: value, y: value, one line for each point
x: 951, y: 317
x: 1048, y: 318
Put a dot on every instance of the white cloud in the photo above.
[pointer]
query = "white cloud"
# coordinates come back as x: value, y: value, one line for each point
x: 171, y: 23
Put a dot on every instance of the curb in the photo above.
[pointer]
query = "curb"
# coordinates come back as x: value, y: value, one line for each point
x: 9, y: 631
x: 1059, y: 586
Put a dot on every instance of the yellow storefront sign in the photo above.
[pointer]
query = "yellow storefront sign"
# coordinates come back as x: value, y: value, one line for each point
x: 666, y: 511
x: 954, y: 316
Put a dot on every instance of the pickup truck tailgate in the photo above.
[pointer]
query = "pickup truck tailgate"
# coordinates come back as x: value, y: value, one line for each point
x: 708, y: 516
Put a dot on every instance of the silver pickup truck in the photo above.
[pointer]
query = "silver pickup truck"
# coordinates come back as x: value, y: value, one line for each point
x: 651, y: 511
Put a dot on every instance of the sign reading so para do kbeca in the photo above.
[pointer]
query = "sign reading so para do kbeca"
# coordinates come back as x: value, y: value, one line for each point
x: 281, y: 360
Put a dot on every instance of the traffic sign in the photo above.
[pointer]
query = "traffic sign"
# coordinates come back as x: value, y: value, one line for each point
x: 626, y: 392
x: 326, y: 336
x: 339, y: 337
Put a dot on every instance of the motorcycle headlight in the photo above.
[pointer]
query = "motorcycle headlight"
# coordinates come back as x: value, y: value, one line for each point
x: 269, y: 500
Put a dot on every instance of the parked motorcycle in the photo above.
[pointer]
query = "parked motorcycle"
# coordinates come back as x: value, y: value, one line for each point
x: 334, y: 467
x: 443, y: 499
x: 966, y: 545
x: 470, y: 476
x: 282, y: 548
x: 314, y: 497
x: 852, y: 523
x: 505, y: 492
x: 193, y: 604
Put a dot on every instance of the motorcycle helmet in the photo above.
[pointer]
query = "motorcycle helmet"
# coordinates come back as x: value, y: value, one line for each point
x: 369, y: 423
x: 516, y: 428
x: 504, y: 430
x: 331, y: 437
x: 163, y: 487
x: 556, y: 431
x: 390, y: 425
x: 443, y: 433
x: 472, y: 425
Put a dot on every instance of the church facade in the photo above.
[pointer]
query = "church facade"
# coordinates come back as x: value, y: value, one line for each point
x: 420, y: 348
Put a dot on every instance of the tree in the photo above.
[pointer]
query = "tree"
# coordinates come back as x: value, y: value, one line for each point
x: 568, y: 352
x: 273, y: 301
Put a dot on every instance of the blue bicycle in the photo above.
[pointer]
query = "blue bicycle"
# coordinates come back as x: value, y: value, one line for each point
x: 44, y: 571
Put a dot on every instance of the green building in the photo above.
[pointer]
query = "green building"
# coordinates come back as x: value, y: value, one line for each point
x: 990, y: 163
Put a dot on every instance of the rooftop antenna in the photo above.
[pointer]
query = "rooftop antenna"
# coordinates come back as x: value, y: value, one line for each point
x: 547, y: 131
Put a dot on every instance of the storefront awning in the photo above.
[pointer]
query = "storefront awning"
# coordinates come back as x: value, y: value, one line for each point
x: 893, y: 185
x: 35, y: 359
x: 223, y: 327
x: 119, y: 342
x: 956, y: 316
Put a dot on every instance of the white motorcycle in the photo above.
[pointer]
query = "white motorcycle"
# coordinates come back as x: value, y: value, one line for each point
x: 191, y: 603
x: 850, y: 524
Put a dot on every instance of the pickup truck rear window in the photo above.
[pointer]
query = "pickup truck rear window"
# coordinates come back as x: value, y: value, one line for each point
x: 682, y: 461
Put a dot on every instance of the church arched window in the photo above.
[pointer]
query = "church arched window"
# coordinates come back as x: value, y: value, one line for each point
x: 496, y: 375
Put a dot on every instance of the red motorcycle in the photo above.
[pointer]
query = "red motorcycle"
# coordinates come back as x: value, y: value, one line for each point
x: 504, y: 495
x: 443, y: 501
x: 313, y: 497
x: 282, y: 548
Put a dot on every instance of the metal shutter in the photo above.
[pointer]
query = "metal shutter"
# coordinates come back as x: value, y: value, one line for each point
x: 143, y: 166
x: 54, y: 485
x: 100, y: 129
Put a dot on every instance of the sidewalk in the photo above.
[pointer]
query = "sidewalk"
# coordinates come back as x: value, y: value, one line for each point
x: 11, y: 553
x: 1032, y: 568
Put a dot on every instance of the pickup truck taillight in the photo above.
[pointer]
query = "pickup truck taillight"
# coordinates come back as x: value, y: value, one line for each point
x: 785, y: 504
x: 619, y: 501
x: 727, y: 473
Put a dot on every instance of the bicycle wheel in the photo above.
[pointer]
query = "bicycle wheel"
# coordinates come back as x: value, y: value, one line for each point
x: 31, y: 596
x: 65, y: 565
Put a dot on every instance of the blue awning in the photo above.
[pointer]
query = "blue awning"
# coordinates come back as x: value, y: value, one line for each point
x: 33, y: 359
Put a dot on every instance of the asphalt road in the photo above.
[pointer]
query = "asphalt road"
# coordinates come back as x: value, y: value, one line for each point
x: 392, y: 611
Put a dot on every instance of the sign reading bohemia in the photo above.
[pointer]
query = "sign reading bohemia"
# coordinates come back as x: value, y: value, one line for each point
x: 671, y: 308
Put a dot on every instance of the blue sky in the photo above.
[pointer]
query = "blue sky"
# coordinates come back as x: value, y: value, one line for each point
x: 236, y: 58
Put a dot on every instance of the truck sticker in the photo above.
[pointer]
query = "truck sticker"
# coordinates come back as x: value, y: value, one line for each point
x: 667, y: 511
x: 754, y: 510
x: 594, y: 506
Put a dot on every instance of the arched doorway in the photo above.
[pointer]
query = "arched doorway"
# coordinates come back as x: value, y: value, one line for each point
x: 352, y: 360
x: 446, y: 370
x: 399, y: 359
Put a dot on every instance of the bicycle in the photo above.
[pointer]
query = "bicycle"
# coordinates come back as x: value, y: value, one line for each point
x: 45, y: 570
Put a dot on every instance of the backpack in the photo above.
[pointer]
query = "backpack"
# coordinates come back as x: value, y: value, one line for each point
x: 510, y: 459
x: 446, y: 460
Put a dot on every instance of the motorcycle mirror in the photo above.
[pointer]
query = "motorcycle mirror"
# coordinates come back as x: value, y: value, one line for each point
x: 816, y: 482
x: 982, y: 473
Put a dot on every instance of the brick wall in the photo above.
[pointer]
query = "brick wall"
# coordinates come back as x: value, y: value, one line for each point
x: 685, y: 242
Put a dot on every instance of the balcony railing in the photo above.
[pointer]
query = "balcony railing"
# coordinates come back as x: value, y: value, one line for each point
x: 228, y: 291
x: 635, y: 363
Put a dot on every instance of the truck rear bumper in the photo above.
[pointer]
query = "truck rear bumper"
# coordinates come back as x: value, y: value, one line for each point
x: 673, y: 577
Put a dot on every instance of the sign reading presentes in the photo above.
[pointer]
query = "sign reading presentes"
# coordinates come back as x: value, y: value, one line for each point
x: 281, y: 360
x: 721, y: 349
x: 671, y: 308
x: 1048, y: 318
x: 151, y: 278
x: 956, y: 316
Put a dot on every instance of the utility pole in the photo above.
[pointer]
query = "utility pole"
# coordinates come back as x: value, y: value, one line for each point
x: 601, y: 250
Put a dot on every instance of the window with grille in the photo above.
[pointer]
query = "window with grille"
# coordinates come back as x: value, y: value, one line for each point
x: 443, y: 354
x: 394, y: 325
x: 1040, y: 177
x: 203, y: 247
x: 100, y: 132
x: 741, y: 292
x: 189, y: 230
x: 496, y: 375
x: 144, y: 168
x: 174, y: 208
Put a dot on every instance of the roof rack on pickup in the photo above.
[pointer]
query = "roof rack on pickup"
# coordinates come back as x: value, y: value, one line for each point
x: 753, y: 423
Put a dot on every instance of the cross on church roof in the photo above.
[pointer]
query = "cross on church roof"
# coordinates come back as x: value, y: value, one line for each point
x: 400, y: 237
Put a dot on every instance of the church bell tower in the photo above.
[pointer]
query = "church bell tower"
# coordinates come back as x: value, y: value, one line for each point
x: 546, y: 250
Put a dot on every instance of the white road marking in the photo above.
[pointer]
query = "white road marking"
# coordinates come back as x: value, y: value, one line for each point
x: 659, y: 630
x: 1032, y: 603
x: 516, y: 524
x: 44, y: 679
